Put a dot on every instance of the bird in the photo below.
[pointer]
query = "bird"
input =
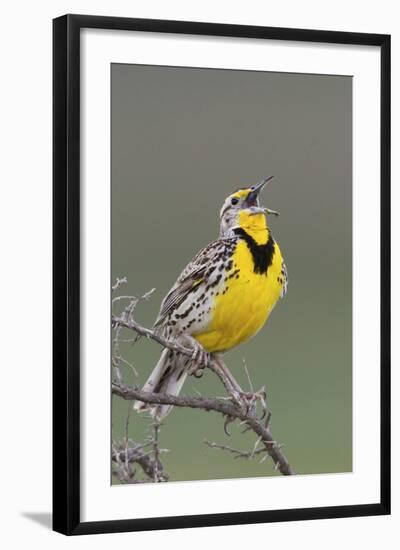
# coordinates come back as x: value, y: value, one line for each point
x: 223, y: 297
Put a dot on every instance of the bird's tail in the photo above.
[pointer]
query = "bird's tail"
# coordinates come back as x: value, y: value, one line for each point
x: 168, y: 376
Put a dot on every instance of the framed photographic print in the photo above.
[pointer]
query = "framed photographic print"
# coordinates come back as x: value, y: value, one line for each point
x: 221, y: 274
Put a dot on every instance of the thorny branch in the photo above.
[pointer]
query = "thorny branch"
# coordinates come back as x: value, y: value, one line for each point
x: 125, y: 316
x: 125, y: 459
x: 224, y: 407
x: 126, y: 454
x: 232, y: 407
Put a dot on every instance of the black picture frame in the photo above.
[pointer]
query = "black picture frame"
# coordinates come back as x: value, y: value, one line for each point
x: 66, y: 273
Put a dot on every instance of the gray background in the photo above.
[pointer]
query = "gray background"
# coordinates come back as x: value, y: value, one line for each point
x: 183, y: 139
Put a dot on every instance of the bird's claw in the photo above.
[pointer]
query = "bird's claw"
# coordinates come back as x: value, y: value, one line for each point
x: 200, y: 360
x: 248, y: 401
x: 228, y: 420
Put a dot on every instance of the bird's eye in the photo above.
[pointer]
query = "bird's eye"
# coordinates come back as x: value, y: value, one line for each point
x: 234, y: 200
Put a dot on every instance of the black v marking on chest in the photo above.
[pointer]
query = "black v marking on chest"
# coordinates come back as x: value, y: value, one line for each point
x: 262, y: 254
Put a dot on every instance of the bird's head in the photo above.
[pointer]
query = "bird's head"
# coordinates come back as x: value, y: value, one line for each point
x: 242, y: 205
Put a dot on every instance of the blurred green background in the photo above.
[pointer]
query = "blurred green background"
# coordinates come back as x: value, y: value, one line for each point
x: 182, y: 140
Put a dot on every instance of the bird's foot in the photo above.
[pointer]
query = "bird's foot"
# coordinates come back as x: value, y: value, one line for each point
x: 249, y: 400
x: 200, y: 358
x: 244, y: 400
x: 247, y: 403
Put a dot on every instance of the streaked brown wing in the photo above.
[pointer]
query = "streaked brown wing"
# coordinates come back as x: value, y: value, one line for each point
x: 191, y: 277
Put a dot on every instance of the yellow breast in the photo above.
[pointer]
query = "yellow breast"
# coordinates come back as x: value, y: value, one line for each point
x: 243, y: 306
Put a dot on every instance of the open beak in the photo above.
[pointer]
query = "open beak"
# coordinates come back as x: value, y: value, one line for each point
x: 252, y: 197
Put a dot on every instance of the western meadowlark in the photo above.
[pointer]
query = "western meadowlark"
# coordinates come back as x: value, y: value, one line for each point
x: 224, y: 295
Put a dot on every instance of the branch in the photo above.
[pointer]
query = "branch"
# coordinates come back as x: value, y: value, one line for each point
x: 205, y: 403
x: 147, y: 333
x: 150, y: 465
x: 217, y: 405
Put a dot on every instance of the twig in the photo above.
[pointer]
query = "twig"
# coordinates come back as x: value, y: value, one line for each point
x: 135, y: 454
x: 237, y: 452
x: 128, y: 415
x: 248, y: 375
x: 156, y: 449
x: 118, y: 283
